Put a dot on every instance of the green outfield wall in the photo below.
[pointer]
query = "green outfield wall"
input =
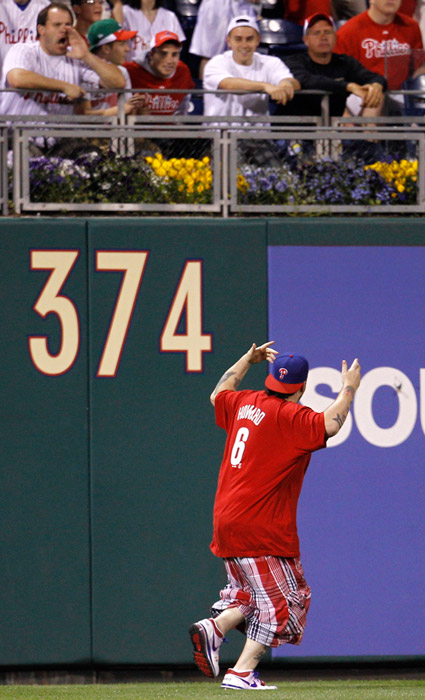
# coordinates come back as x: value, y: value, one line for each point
x: 113, y: 334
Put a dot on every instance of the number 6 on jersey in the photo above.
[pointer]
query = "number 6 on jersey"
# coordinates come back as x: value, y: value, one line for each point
x: 239, y: 447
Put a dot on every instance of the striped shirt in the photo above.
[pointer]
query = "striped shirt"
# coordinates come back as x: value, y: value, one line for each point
x: 31, y: 57
x: 105, y: 100
x: 18, y: 25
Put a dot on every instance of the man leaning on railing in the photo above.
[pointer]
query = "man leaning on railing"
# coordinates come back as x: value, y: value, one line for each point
x: 319, y: 68
x: 243, y: 68
x: 59, y: 62
x: 386, y: 42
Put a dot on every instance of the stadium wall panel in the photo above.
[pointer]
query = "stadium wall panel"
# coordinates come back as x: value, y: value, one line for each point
x: 109, y: 448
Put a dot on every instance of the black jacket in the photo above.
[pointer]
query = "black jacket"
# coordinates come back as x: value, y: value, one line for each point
x: 332, y: 77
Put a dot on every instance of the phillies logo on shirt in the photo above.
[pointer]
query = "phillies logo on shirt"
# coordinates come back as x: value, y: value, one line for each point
x: 9, y: 36
x: 282, y: 372
x: 388, y: 47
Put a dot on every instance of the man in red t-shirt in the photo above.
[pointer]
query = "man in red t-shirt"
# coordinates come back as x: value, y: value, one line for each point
x: 161, y: 69
x: 298, y: 10
x: 384, y: 41
x: 270, y: 438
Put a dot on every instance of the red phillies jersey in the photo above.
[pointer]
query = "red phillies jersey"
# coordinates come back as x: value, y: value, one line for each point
x: 299, y: 10
x: 163, y: 102
x: 392, y: 50
x: 268, y: 449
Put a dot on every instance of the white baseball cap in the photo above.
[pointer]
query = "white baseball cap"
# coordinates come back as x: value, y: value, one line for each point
x: 243, y: 21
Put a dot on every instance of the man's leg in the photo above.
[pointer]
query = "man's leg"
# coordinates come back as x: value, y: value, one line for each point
x: 252, y: 652
x: 207, y: 637
x: 251, y: 655
x: 243, y: 675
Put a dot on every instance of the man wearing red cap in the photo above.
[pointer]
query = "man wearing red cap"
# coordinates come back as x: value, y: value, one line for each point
x: 162, y: 69
x: 270, y: 438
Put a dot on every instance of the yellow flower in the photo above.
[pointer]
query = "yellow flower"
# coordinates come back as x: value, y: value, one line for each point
x: 200, y: 188
x: 242, y: 183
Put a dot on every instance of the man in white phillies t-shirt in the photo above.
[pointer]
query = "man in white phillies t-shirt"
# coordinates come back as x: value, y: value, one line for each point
x: 60, y: 61
x: 243, y: 68
x: 18, y: 23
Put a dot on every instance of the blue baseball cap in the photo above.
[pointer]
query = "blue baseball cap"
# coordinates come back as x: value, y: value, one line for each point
x: 288, y: 373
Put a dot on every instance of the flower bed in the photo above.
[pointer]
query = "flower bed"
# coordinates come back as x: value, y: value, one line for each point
x: 108, y: 178
x: 328, y: 181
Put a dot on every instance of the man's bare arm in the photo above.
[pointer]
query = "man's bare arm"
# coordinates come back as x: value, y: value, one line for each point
x: 232, y: 378
x: 337, y: 412
x: 109, y: 74
x: 19, y: 78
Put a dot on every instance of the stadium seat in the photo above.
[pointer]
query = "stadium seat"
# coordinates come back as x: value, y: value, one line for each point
x: 169, y: 5
x: 271, y: 8
x: 197, y: 101
x: 280, y: 37
x: 187, y: 11
x: 414, y: 105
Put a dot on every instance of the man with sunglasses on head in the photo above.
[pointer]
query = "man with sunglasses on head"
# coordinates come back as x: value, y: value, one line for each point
x: 86, y: 13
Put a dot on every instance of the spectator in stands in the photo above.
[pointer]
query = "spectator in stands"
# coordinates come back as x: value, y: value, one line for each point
x: 342, y: 75
x: 243, y: 68
x: 86, y: 12
x: 384, y: 41
x: 60, y: 62
x: 18, y: 20
x: 298, y: 10
x: 346, y: 9
x: 149, y: 18
x: 209, y: 35
x: 162, y: 69
x: 415, y: 9
x: 408, y: 7
x: 109, y: 41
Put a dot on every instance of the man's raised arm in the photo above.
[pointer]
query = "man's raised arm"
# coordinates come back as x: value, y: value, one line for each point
x: 232, y: 378
x: 337, y: 412
x: 109, y: 74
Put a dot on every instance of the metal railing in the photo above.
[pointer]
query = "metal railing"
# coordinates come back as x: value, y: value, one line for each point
x: 56, y: 160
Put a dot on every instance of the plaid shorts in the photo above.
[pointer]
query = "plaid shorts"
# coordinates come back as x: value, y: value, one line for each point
x: 271, y: 593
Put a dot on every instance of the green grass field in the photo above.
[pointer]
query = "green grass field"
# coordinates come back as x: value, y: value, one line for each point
x: 294, y: 690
